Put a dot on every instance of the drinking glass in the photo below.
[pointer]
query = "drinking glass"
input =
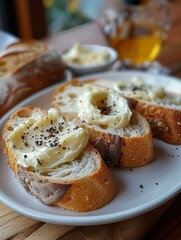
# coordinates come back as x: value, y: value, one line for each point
x: 137, y: 32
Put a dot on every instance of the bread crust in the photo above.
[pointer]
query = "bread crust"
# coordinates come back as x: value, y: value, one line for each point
x: 115, y: 150
x: 123, y: 151
x: 82, y: 194
x: 164, y: 122
x: 91, y: 192
x: 38, y: 70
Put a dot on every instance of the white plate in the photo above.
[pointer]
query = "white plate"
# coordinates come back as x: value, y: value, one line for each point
x: 6, y: 39
x: 161, y: 180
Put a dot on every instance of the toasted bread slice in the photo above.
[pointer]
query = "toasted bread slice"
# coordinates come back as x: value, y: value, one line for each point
x: 161, y: 108
x: 53, y: 161
x: 127, y: 146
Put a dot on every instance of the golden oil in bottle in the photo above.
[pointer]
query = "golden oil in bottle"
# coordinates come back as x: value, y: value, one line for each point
x: 137, y: 40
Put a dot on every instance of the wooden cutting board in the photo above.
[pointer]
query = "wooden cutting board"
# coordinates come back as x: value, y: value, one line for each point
x: 14, y: 226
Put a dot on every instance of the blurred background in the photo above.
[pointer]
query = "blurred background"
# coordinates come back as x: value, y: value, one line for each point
x: 39, y: 18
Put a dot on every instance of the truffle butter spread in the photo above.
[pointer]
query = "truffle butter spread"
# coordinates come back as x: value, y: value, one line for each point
x: 45, y: 141
x: 104, y: 107
x: 137, y: 89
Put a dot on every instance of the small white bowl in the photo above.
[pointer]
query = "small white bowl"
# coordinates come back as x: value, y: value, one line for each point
x: 81, y: 69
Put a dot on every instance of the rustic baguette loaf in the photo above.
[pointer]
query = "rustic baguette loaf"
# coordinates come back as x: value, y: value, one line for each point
x: 54, y: 162
x: 127, y: 142
x: 161, y: 108
x: 26, y: 67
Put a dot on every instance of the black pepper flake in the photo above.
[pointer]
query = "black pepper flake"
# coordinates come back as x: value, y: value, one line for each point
x: 131, y: 169
x: 25, y: 156
x: 22, y: 137
x: 141, y: 186
x: 55, y: 144
x: 26, y: 144
x: 38, y: 160
x: 106, y: 110
x: 64, y: 148
x: 156, y: 183
x: 51, y: 121
x: 14, y: 146
x: 60, y: 128
x: 39, y: 143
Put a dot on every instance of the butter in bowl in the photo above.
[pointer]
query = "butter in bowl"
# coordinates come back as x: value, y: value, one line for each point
x: 87, y: 58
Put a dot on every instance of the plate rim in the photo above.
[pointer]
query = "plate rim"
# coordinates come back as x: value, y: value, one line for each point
x: 92, y: 220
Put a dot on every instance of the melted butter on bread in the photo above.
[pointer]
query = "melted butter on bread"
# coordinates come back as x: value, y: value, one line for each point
x: 137, y: 89
x: 104, y: 107
x: 45, y: 141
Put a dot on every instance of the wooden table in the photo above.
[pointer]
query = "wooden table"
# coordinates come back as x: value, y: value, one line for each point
x: 163, y: 222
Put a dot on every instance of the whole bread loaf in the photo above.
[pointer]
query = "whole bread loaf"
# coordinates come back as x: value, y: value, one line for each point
x: 122, y: 136
x: 54, y: 162
x: 25, y: 68
x: 161, y: 108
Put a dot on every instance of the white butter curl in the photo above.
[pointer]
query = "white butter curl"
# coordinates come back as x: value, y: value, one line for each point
x: 104, y: 107
x: 44, y: 142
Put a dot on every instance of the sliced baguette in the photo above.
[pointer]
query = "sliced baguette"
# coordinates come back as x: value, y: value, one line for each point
x: 163, y: 113
x: 82, y: 184
x: 130, y: 146
x: 25, y: 68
